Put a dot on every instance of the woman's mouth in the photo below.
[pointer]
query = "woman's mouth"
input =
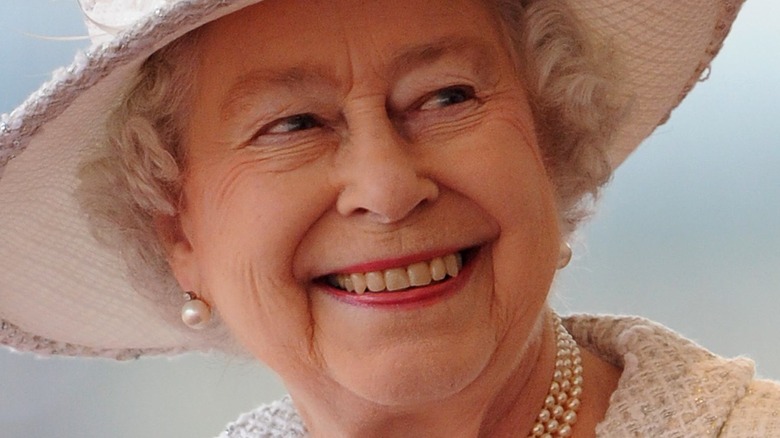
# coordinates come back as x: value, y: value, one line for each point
x: 418, y: 274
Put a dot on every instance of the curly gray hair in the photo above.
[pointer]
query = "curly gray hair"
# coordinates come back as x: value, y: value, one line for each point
x: 136, y: 177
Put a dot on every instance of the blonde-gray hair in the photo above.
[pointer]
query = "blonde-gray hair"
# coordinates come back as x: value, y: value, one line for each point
x: 136, y: 175
x: 574, y: 95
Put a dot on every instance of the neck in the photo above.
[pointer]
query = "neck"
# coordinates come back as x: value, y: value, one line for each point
x: 503, y: 401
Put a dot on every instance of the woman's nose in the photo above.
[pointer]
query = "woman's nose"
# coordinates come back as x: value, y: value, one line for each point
x: 380, y: 176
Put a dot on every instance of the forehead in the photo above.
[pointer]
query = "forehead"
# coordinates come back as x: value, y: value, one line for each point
x: 295, y: 32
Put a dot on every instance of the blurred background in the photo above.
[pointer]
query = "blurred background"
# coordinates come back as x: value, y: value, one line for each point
x: 687, y: 234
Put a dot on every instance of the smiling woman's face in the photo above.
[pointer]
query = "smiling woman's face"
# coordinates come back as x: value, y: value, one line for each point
x: 367, y: 143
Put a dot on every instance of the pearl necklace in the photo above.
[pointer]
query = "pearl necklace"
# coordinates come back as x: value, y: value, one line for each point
x: 559, y: 412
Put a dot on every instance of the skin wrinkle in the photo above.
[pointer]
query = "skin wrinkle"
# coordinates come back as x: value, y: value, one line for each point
x: 310, y: 79
x: 284, y: 159
x: 255, y: 295
x: 387, y: 143
x: 434, y: 52
x: 454, y: 128
x: 534, y: 349
x: 296, y: 77
x: 311, y: 329
x: 382, y: 234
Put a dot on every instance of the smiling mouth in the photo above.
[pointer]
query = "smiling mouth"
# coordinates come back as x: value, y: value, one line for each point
x: 418, y: 274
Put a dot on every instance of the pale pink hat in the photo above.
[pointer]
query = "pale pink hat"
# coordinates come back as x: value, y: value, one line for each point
x: 63, y: 293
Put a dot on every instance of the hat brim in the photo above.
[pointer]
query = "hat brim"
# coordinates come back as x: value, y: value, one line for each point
x: 63, y: 293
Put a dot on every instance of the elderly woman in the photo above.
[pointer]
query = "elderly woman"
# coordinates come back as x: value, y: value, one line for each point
x: 370, y: 197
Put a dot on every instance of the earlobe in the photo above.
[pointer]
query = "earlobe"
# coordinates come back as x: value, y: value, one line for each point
x: 178, y: 250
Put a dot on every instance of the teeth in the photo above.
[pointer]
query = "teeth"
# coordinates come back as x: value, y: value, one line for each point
x: 453, y: 262
x: 419, y: 274
x: 375, y: 281
x: 396, y: 279
x: 359, y: 282
x: 438, y: 269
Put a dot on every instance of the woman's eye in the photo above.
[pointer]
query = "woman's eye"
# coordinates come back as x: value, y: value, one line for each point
x: 298, y: 122
x: 447, y: 97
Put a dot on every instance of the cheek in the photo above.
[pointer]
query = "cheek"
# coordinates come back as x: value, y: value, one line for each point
x: 501, y: 171
x: 240, y: 211
x: 500, y: 168
x: 248, y: 227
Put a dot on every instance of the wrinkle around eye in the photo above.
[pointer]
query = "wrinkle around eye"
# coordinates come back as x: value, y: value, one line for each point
x: 288, y: 155
x: 446, y: 121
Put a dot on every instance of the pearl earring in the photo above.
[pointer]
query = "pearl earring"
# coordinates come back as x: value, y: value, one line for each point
x: 195, y: 313
x: 564, y: 256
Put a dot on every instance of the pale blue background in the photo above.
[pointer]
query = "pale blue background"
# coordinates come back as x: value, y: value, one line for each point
x: 687, y: 234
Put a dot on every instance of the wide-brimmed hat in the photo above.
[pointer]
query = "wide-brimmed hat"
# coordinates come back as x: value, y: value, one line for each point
x: 61, y: 292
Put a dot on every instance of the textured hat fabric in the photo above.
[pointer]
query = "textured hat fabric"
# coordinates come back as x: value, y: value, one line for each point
x: 63, y: 293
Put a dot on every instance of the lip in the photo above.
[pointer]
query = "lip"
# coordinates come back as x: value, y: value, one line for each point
x: 381, y: 265
x: 411, y: 298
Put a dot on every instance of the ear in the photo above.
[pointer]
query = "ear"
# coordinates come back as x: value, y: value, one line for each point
x: 179, y: 251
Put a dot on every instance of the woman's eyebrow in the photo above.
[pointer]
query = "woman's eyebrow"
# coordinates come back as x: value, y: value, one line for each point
x: 478, y: 53
x: 253, y: 83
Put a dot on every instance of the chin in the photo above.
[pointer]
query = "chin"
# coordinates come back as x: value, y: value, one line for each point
x: 419, y: 373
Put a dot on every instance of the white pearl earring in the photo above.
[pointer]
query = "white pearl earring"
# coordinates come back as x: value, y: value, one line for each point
x: 195, y: 313
x: 564, y: 256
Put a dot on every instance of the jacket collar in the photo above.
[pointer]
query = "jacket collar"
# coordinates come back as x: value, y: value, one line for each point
x: 670, y: 386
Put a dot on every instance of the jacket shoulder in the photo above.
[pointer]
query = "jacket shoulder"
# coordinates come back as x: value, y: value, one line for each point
x: 274, y: 420
x: 757, y: 414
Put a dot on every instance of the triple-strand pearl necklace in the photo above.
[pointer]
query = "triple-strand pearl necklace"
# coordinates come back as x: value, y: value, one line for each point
x: 559, y: 412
